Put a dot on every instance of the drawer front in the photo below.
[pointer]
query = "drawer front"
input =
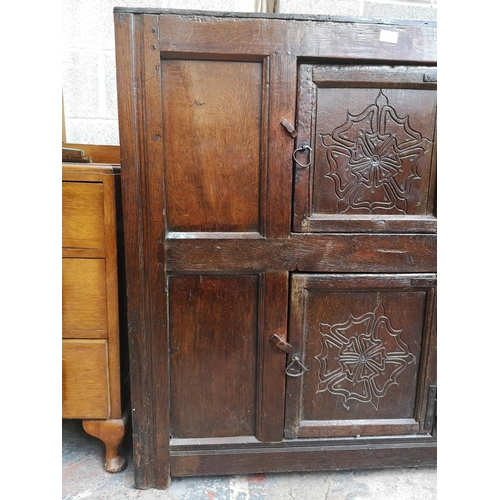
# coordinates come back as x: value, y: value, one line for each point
x: 83, y: 215
x: 84, y: 308
x: 85, y: 385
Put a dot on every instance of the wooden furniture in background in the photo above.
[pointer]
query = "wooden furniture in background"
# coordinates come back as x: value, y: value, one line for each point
x: 279, y: 211
x: 94, y: 371
x: 99, y: 154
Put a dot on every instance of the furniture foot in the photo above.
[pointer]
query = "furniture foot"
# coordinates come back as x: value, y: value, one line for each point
x: 111, y: 433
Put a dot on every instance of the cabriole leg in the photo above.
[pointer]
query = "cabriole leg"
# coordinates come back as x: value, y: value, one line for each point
x: 111, y: 433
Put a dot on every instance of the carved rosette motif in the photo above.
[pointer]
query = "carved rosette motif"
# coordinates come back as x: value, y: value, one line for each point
x: 361, y: 358
x: 373, y: 159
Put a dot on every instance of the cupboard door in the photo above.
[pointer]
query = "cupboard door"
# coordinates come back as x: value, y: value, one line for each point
x: 360, y: 359
x: 366, y: 149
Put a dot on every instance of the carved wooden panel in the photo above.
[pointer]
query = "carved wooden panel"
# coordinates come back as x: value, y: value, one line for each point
x: 372, y: 135
x: 361, y: 339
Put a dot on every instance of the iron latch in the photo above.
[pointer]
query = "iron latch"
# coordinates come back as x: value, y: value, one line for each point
x: 289, y: 128
x: 281, y: 344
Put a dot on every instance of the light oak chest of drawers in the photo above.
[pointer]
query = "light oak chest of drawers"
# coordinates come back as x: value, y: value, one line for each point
x: 93, y: 380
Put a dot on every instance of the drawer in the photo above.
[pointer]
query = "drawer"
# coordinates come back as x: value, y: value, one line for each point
x: 84, y: 306
x: 85, y: 385
x: 83, y: 215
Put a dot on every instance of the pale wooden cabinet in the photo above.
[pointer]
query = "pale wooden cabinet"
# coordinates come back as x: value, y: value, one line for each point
x: 94, y: 362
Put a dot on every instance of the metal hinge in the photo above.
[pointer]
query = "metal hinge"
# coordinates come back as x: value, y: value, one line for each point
x: 424, y: 282
x: 430, y: 77
x: 431, y: 411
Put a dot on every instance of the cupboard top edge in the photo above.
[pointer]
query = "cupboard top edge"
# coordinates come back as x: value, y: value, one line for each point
x: 271, y: 16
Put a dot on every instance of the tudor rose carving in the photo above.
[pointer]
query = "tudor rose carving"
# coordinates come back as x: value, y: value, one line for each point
x: 361, y: 358
x: 373, y: 159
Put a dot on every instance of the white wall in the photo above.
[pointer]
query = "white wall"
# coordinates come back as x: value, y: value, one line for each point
x: 389, y: 9
x: 88, y: 58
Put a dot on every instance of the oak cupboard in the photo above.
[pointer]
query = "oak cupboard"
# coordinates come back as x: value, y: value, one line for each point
x: 279, y: 196
x: 94, y: 347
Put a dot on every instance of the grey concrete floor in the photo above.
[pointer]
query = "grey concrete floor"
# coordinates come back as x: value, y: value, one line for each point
x: 84, y: 477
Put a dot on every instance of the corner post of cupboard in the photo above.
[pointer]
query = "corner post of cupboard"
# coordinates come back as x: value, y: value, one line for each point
x: 138, y: 80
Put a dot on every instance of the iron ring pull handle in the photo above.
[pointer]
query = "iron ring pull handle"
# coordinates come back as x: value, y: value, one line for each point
x: 295, y: 361
x: 303, y: 147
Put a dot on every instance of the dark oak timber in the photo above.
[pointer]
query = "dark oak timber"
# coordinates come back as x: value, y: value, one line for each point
x: 278, y: 184
x: 312, y: 457
x: 305, y: 252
